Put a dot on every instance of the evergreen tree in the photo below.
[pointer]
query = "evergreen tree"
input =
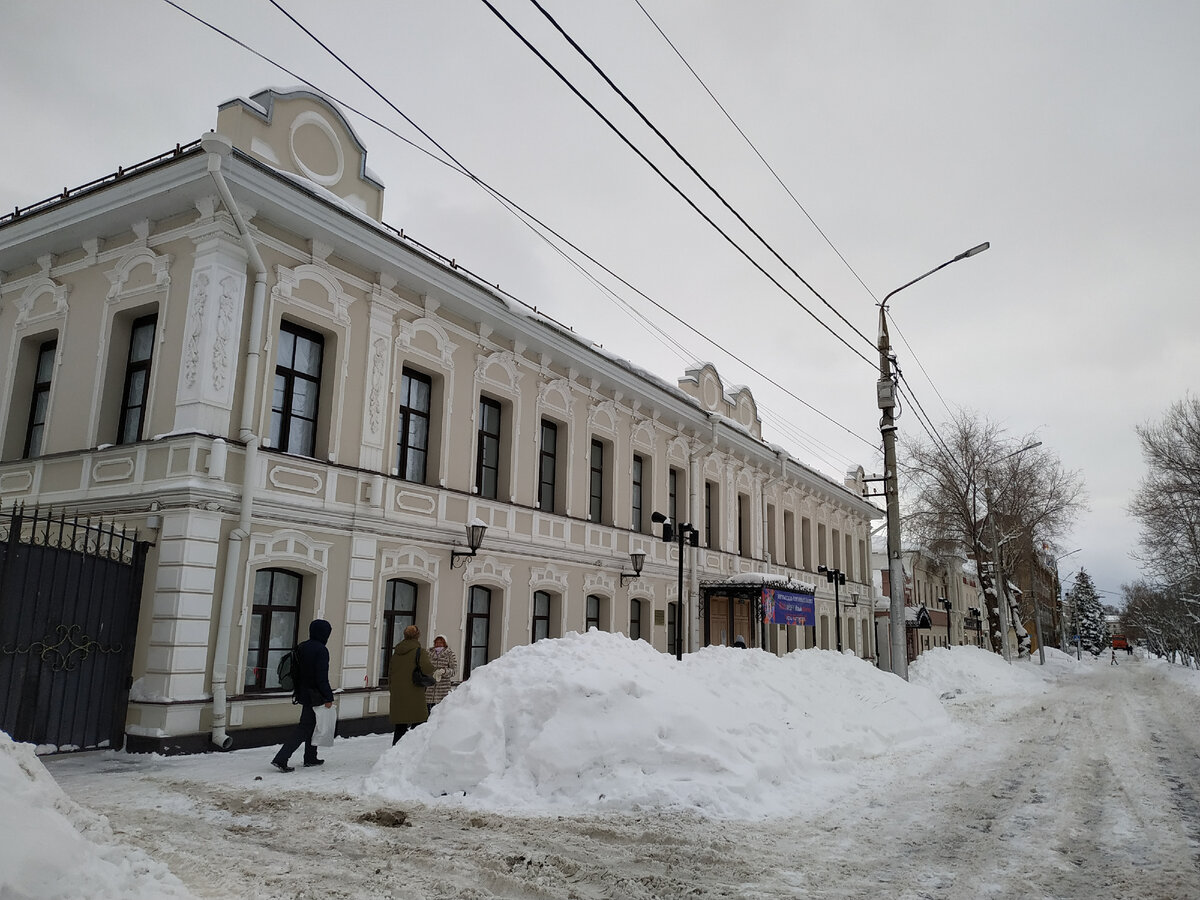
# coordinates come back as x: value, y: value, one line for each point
x: 1089, y: 614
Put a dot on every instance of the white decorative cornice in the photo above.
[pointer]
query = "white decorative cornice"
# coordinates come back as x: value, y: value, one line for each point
x: 139, y: 255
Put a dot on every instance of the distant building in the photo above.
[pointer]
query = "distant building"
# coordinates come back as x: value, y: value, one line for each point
x: 302, y: 409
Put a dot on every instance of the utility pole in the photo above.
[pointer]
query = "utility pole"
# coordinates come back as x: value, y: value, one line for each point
x: 886, y: 398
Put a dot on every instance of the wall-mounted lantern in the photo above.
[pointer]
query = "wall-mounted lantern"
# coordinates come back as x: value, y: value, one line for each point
x: 475, y: 532
x: 637, y: 559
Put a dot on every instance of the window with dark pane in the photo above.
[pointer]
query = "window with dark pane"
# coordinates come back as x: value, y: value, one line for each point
x: 487, y: 461
x: 137, y: 380
x: 541, y: 615
x: 479, y: 624
x: 274, y: 622
x: 636, y: 510
x: 39, y: 402
x: 412, y: 438
x: 592, y: 616
x: 596, y: 483
x: 399, y: 611
x: 296, y: 390
x: 635, y: 619
x: 547, y: 466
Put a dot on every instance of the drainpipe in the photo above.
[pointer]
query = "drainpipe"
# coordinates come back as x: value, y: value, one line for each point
x: 218, y: 147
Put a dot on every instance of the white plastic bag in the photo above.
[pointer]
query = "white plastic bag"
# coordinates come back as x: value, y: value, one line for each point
x: 326, y: 726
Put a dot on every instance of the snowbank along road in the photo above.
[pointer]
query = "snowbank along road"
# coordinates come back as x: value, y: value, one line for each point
x: 1089, y: 790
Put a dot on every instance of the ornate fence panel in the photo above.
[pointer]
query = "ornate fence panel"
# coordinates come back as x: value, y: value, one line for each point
x: 69, y: 596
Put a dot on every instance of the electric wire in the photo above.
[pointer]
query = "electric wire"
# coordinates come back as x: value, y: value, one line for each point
x: 523, y: 215
x: 752, y: 146
x: 679, y: 191
x: 945, y: 405
x: 678, y: 155
x: 485, y: 186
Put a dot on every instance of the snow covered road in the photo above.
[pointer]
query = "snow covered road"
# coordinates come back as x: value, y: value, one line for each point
x: 1086, y: 787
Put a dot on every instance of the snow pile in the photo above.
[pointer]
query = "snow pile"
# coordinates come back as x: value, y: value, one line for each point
x: 53, y: 849
x: 603, y: 722
x: 970, y: 675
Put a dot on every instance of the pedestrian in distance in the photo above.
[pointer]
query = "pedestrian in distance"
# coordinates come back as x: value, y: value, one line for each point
x: 1113, y: 661
x: 740, y: 642
x: 445, y: 668
x: 311, y: 674
x: 407, y: 708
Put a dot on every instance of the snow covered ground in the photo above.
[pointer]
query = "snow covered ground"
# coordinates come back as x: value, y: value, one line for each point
x: 594, y: 767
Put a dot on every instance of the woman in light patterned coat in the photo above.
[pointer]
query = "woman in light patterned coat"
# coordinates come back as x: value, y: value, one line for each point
x: 445, y: 672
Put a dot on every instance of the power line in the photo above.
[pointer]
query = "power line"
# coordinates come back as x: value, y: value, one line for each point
x: 751, y: 145
x: 945, y: 405
x: 527, y: 218
x: 506, y: 200
x: 662, y: 175
x: 678, y: 155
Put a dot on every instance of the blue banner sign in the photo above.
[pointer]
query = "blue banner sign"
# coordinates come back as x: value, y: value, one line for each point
x: 788, y: 607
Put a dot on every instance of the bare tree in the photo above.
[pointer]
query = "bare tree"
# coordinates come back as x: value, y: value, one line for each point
x: 1167, y: 503
x: 947, y: 484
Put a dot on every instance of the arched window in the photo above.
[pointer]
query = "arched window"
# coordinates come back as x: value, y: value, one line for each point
x: 399, y: 611
x: 541, y: 615
x: 479, y: 626
x: 274, y: 624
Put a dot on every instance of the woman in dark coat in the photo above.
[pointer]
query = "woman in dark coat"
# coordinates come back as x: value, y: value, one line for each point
x: 407, y: 708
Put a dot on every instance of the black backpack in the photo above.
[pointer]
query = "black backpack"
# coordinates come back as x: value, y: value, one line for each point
x: 285, y: 670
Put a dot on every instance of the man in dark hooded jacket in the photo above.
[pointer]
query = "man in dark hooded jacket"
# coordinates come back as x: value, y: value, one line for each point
x: 312, y: 688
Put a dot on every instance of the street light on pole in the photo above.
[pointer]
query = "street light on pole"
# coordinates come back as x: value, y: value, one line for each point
x: 835, y: 577
x: 886, y: 397
x: 683, y: 534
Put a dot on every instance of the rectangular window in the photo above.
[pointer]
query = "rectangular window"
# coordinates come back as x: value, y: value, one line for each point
x: 548, y: 467
x: 743, y: 525
x: 274, y: 620
x: 806, y: 543
x: 596, y: 483
x: 635, y: 521
x: 848, y: 558
x: 541, y: 615
x: 789, y: 539
x: 487, y: 460
x: 671, y: 614
x: 412, y: 432
x: 635, y: 620
x: 479, y: 626
x: 592, y: 617
x: 39, y: 401
x: 137, y: 380
x: 772, y: 550
x: 399, y: 611
x: 712, y: 525
x: 821, y: 545
x: 297, y: 389
x: 673, y: 495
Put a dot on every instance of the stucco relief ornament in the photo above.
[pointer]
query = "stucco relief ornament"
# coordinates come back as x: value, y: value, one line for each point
x: 220, y: 354
x: 376, y: 397
x: 191, y: 350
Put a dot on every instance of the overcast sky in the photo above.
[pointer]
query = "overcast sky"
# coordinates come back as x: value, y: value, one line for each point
x: 1065, y: 133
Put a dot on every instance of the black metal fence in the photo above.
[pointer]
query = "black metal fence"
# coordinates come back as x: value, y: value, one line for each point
x: 70, y: 590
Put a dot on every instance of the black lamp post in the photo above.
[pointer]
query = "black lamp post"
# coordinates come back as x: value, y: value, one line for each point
x: 684, y: 534
x: 947, y: 605
x: 837, y: 577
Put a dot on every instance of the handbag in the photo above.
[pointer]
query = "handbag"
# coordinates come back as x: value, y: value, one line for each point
x: 420, y: 678
x: 326, y: 727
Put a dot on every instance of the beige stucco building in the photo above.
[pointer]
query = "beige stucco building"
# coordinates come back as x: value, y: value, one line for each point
x: 302, y: 409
